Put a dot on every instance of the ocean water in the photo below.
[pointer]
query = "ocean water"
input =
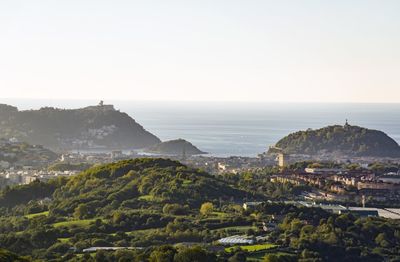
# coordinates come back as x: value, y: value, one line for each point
x: 239, y: 128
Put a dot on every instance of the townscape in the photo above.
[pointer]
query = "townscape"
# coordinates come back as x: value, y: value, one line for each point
x: 218, y: 208
x: 199, y: 131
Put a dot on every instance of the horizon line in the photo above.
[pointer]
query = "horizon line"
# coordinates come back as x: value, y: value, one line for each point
x: 199, y: 101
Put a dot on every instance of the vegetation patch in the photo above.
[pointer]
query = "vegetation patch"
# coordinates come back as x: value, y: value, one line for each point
x: 75, y: 223
x: 63, y: 239
x: 150, y: 198
x: 30, y: 216
x: 251, y: 248
x: 235, y: 229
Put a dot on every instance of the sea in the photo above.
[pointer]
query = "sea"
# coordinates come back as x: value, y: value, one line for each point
x: 237, y: 128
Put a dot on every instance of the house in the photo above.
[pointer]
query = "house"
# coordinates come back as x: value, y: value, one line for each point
x: 4, y: 164
x: 29, y: 179
x: 251, y: 205
x: 269, y: 226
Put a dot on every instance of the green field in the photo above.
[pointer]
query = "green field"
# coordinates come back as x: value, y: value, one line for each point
x: 235, y: 228
x: 63, y: 240
x: 220, y: 214
x: 30, y: 216
x: 252, y: 248
x: 216, y: 215
x: 187, y: 182
x: 75, y: 223
x: 150, y: 198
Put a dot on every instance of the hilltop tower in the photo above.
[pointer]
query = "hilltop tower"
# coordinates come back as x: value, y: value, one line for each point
x: 281, y: 160
x: 184, y: 153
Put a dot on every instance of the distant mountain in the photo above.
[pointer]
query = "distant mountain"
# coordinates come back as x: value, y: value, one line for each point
x: 347, y: 140
x: 93, y: 127
x: 175, y: 147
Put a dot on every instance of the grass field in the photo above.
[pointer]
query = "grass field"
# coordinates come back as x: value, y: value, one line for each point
x: 216, y: 215
x: 30, y: 216
x: 219, y: 214
x: 149, y: 198
x: 187, y: 182
x: 75, y: 223
x: 63, y: 240
x: 235, y: 228
x: 252, y: 248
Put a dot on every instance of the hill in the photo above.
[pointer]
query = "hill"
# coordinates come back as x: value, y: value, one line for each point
x: 18, y: 154
x: 347, y: 140
x: 87, y: 128
x: 138, y: 182
x: 175, y: 147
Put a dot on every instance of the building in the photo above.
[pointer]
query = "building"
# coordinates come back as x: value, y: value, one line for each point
x: 323, y: 170
x: 251, y: 205
x: 95, y: 249
x: 281, y: 160
x: 4, y: 164
x: 232, y: 240
x: 378, y: 185
x: 361, y: 212
x: 116, y: 154
x: 393, y: 178
x: 357, y: 211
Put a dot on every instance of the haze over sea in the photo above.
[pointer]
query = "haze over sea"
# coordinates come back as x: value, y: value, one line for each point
x: 238, y: 128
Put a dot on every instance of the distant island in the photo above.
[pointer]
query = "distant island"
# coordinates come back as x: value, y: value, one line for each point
x: 175, y: 147
x: 93, y: 127
x: 347, y: 140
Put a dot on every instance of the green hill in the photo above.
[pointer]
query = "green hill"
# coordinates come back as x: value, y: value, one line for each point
x: 347, y: 140
x: 132, y: 183
x: 87, y: 128
x: 175, y: 147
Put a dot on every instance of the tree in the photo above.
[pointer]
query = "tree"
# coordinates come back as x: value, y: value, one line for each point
x: 43, y: 238
x: 162, y: 254
x: 101, y: 256
x: 238, y: 257
x: 250, y: 232
x: 280, y: 258
x: 307, y: 254
x: 81, y: 211
x: 206, y: 208
x: 271, y: 258
x: 193, y: 254
x: 60, y: 248
x: 174, y: 209
x: 118, y: 217
x: 382, y: 240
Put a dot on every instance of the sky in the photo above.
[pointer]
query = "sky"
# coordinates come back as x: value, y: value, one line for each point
x: 219, y: 50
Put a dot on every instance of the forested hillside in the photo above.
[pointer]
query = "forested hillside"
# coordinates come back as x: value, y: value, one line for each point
x: 87, y: 128
x: 347, y: 140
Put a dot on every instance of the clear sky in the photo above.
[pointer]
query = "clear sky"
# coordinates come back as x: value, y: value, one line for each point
x: 250, y: 50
